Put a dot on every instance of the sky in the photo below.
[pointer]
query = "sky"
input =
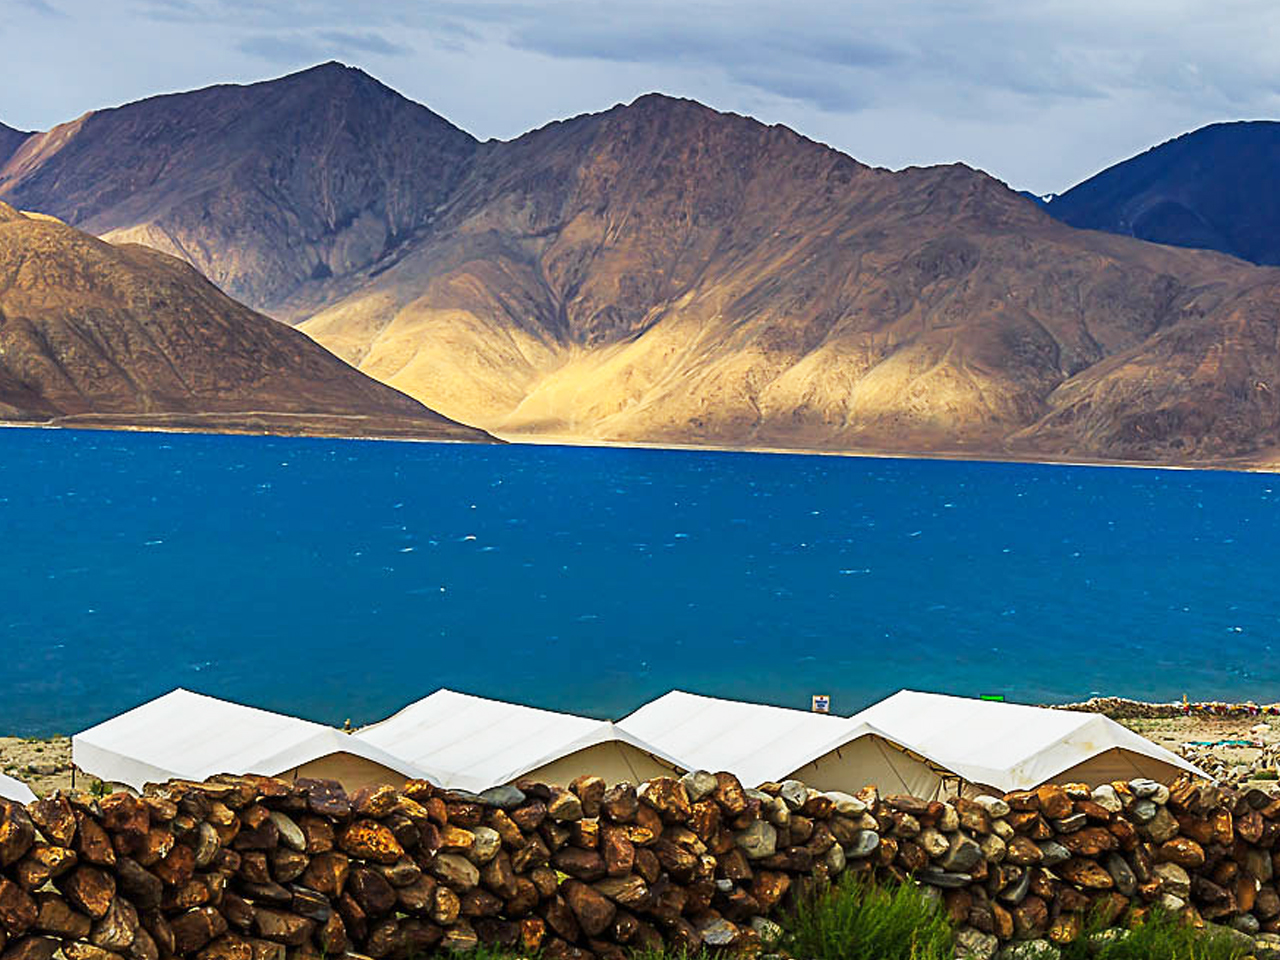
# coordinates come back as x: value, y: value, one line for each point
x: 1040, y: 93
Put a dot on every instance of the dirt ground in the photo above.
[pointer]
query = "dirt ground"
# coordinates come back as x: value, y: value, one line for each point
x: 44, y: 765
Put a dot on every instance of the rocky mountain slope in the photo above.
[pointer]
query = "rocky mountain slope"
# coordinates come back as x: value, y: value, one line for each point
x: 1217, y: 188
x: 10, y: 140
x: 661, y: 272
x: 93, y: 333
x: 260, y: 187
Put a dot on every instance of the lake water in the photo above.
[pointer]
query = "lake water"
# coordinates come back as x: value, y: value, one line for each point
x: 342, y: 579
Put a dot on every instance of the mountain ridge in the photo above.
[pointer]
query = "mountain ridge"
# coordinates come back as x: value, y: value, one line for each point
x: 1213, y: 188
x: 93, y: 333
x: 661, y: 272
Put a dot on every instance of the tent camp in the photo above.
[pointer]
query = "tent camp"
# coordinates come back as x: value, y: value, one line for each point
x: 993, y: 745
x: 11, y: 789
x: 473, y: 743
x: 759, y: 743
x: 185, y: 735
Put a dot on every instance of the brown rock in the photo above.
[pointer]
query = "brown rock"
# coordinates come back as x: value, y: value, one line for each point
x: 1183, y: 851
x: 116, y: 930
x: 479, y: 903
x: 455, y: 871
x: 18, y: 910
x: 93, y: 845
x: 157, y: 843
x: 585, y: 833
x: 1089, y: 842
x: 54, y: 915
x: 530, y: 816
x: 631, y: 892
x: 177, y: 868
x: 729, y: 794
x: 620, y: 803
x: 31, y: 948
x: 590, y: 790
x: 280, y: 927
x: 287, y: 865
x: 89, y: 889
x: 124, y: 813
x: 618, y: 851
x: 676, y: 860
x: 42, y: 863
x: 1085, y: 873
x: 194, y: 929
x: 455, y: 839
x: 229, y: 946
x: 564, y: 805
x: 325, y: 798
x: 317, y: 832
x: 55, y: 819
x: 582, y: 864
x: 87, y: 951
x: 327, y: 873
x: 1031, y: 916
x: 371, y: 890
x: 499, y: 876
x: 769, y: 888
x: 594, y: 912
x: 370, y: 840
x: 561, y: 918
x: 374, y: 801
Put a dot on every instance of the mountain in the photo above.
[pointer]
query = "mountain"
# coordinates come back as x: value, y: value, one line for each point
x: 665, y: 273
x: 1217, y: 189
x: 661, y: 272
x: 260, y: 187
x: 93, y: 333
x: 10, y: 140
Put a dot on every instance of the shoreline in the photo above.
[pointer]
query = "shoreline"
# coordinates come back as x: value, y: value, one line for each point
x: 546, y: 440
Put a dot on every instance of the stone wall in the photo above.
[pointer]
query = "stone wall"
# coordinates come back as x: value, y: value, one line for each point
x: 252, y: 868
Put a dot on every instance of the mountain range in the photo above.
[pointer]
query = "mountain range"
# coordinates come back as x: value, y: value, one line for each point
x: 661, y: 272
x: 98, y: 334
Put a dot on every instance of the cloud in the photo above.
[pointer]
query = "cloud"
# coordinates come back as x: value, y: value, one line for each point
x: 1040, y: 92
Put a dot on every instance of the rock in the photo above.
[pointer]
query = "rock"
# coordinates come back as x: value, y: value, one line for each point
x: 1161, y: 827
x: 770, y: 933
x: 1245, y: 923
x: 54, y: 818
x: 1143, y: 811
x: 865, y: 843
x: 1173, y: 879
x: 846, y: 804
x: 698, y: 785
x: 1266, y: 946
x: 961, y: 856
x: 629, y: 891
x: 504, y: 798
x: 1085, y: 873
x: 994, y: 806
x: 31, y: 948
x: 1183, y: 851
x: 594, y: 911
x: 1106, y: 797
x: 1052, y: 853
x: 290, y: 833
x: 17, y: 832
x: 667, y: 796
x: 835, y: 860
x: 1054, y: 802
x: 327, y: 873
x: 455, y: 871
x: 1120, y: 871
x: 933, y: 842
x: 941, y: 878
x: 716, y: 931
x: 280, y: 927
x: 487, y: 844
x: 1030, y: 950
x: 89, y: 889
x: 195, y: 928
x: 55, y: 916
x: 794, y: 794
x: 18, y: 911
x: 973, y: 944
x: 564, y: 805
x: 370, y: 840
x: 1143, y: 788
x: 757, y: 841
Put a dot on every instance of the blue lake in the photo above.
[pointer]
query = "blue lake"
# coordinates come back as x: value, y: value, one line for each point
x: 342, y: 579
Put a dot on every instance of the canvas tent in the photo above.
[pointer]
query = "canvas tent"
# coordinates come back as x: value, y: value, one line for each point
x: 996, y: 746
x: 474, y: 743
x: 189, y: 736
x: 11, y: 789
x: 759, y: 743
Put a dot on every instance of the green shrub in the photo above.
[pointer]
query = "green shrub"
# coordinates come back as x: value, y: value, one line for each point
x: 859, y: 919
x: 1159, y: 936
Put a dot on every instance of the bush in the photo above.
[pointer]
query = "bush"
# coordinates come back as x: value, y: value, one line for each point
x: 1158, y: 936
x: 859, y: 919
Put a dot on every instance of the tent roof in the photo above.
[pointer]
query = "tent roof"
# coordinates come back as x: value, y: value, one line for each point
x: 11, y: 789
x: 476, y: 743
x: 754, y: 741
x: 1008, y: 746
x: 191, y: 736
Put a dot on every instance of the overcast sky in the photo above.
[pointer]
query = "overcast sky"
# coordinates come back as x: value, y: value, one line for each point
x: 1041, y: 93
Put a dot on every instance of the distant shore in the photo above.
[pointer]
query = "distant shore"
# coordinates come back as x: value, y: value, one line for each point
x: 1231, y: 465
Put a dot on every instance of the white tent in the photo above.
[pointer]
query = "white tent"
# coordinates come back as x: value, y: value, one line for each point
x: 759, y: 743
x: 474, y: 743
x: 11, y: 789
x: 1000, y: 746
x: 189, y: 736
